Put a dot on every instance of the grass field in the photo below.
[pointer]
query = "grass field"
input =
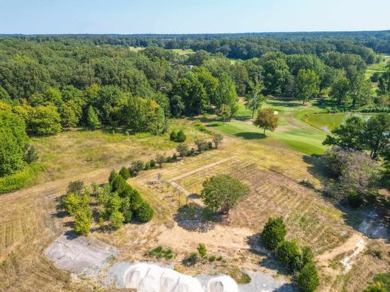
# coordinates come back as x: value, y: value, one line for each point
x: 72, y: 152
x: 291, y: 133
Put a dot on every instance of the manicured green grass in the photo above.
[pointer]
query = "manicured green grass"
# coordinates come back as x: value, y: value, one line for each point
x: 308, y: 142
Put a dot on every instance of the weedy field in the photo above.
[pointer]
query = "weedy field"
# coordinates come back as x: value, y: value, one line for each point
x: 283, y: 182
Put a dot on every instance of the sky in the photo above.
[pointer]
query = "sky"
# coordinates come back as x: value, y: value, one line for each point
x: 185, y: 16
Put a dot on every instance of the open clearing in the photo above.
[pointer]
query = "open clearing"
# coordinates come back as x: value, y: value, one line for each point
x: 31, y: 220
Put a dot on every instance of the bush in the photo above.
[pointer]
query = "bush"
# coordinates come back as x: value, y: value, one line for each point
x: 83, y: 220
x: 31, y: 155
x: 144, y: 212
x: 212, y: 259
x: 117, y: 219
x: 307, y: 279
x: 128, y: 215
x: 160, y: 252
x: 381, y: 283
x: 182, y: 149
x: 202, y: 250
x: 273, y: 233
x: 181, y: 137
x: 152, y: 163
x: 173, y: 136
x: 124, y: 172
x: 289, y: 253
x: 136, y: 167
x: 191, y: 259
x: 147, y: 166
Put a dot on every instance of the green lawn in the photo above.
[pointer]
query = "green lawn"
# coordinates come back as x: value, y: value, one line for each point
x: 308, y: 142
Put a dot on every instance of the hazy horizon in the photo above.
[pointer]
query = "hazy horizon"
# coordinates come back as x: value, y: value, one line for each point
x: 191, y: 17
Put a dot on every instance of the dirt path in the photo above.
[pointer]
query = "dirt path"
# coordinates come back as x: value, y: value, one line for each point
x: 199, y: 169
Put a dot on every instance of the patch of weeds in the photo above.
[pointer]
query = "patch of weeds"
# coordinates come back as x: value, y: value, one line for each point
x: 160, y: 252
x: 219, y: 259
x: 212, y: 259
x: 239, y: 276
x: 203, y: 128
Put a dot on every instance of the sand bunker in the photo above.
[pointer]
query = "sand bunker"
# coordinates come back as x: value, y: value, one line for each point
x: 79, y: 254
x: 153, y: 278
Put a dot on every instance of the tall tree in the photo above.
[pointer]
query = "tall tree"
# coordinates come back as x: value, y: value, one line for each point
x: 339, y: 90
x: 348, y: 135
x: 254, y: 98
x: 376, y: 134
x: 266, y: 119
x: 307, y: 85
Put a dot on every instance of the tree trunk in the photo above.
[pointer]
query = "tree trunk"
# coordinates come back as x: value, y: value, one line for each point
x: 264, y: 131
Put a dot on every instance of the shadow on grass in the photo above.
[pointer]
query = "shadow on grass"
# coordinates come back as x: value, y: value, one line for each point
x: 250, y: 135
x: 194, y: 217
x: 269, y: 260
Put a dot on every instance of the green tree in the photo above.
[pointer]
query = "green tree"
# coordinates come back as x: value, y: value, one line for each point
x: 224, y: 112
x: 307, y: 279
x: 266, y: 119
x: 289, y: 253
x: 13, y: 143
x: 144, y: 213
x: 223, y: 192
x: 254, y: 98
x: 226, y: 94
x: 83, y: 221
x: 376, y: 134
x: 273, y: 233
x: 384, y: 83
x: 340, y: 89
x: 181, y: 137
x: 348, y: 135
x: 44, y: 120
x: 360, y: 90
x: 182, y: 149
x: 117, y: 219
x: 307, y: 85
x: 217, y: 139
x: 92, y: 119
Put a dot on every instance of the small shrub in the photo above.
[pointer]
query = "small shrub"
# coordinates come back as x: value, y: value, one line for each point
x: 117, y: 219
x: 82, y: 223
x: 182, y: 149
x: 220, y: 258
x: 212, y: 259
x: 191, y: 259
x: 202, y: 250
x: 181, y: 137
x: 31, y: 155
x: 144, y: 212
x: 159, y: 252
x: 147, y: 166
x: 173, y: 136
x: 273, y: 233
x: 124, y: 172
x: 307, y: 279
x: 152, y: 163
x: 128, y: 215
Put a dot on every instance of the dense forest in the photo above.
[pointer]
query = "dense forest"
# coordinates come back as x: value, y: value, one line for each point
x: 51, y: 83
